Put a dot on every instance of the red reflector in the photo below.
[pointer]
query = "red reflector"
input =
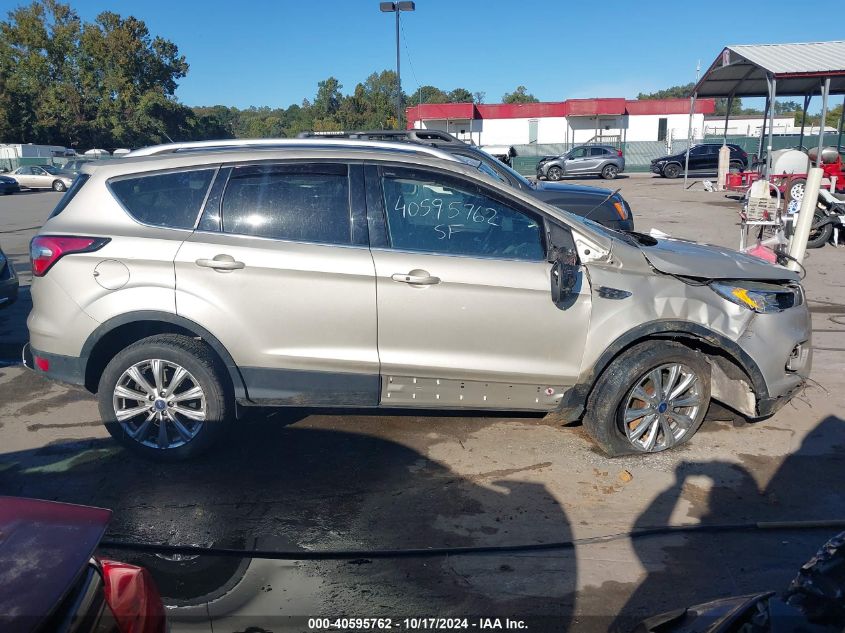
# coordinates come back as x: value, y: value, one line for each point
x: 133, y: 598
x: 619, y: 152
x: 42, y: 363
x: 46, y: 250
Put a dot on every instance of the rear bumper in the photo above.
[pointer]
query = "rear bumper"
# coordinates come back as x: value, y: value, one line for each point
x: 67, y: 369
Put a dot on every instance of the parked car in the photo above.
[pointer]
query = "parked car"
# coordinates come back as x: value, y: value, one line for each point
x: 42, y: 177
x: 703, y: 158
x: 601, y: 205
x: 8, y: 185
x: 584, y: 160
x: 8, y: 282
x: 52, y: 583
x: 366, y: 274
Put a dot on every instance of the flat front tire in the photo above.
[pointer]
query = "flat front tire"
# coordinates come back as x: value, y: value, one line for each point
x: 651, y: 398
x: 164, y: 398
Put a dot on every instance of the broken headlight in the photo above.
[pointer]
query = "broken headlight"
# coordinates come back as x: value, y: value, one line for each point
x: 759, y: 296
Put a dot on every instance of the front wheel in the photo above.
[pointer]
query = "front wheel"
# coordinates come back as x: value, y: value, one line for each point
x: 609, y: 172
x: 651, y: 398
x: 58, y: 186
x: 672, y: 170
x: 164, y: 398
x: 555, y: 173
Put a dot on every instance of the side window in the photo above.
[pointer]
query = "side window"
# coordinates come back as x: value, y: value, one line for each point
x: 37, y: 171
x: 433, y: 213
x: 171, y: 200
x: 598, y: 151
x: 303, y: 203
x: 578, y: 152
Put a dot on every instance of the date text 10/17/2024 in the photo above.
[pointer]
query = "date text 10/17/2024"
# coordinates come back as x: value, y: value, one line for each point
x: 416, y: 624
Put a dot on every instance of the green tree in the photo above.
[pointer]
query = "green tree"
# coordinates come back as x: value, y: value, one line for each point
x: 106, y: 83
x: 429, y: 94
x: 684, y: 91
x: 520, y: 95
x: 460, y: 95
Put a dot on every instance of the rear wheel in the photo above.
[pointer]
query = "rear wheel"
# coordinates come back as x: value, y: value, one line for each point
x: 651, y: 398
x: 609, y: 172
x: 554, y: 173
x: 164, y: 398
x: 672, y: 170
x: 58, y: 185
x: 794, y: 190
x: 819, y: 233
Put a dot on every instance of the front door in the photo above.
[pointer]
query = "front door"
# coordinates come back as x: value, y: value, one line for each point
x: 282, y: 276
x: 465, y: 316
x: 575, y: 162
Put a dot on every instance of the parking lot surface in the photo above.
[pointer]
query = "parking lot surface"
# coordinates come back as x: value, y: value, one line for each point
x: 290, y: 479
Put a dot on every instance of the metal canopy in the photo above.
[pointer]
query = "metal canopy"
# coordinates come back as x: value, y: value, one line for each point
x: 799, y: 69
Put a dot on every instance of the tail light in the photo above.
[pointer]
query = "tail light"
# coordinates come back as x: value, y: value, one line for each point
x: 46, y: 250
x: 133, y: 598
x: 619, y: 152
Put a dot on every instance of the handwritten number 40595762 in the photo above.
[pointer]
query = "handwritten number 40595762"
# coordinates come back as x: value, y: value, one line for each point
x: 468, y: 211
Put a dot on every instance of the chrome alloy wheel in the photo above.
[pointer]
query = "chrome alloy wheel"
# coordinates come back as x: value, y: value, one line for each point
x: 159, y: 404
x: 662, y: 407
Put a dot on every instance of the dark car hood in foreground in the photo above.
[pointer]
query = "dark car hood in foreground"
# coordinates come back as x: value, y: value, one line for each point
x: 43, y: 547
x: 565, y: 188
x: 689, y: 259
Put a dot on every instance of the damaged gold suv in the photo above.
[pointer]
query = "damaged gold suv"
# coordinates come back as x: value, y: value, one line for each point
x: 183, y: 285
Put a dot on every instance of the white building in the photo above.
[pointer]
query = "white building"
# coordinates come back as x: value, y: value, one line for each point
x: 571, y: 121
x: 752, y: 125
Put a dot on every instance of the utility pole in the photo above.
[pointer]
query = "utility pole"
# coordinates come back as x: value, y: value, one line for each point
x: 397, y: 8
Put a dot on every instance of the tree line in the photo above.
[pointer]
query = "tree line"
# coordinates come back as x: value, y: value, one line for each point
x: 111, y: 83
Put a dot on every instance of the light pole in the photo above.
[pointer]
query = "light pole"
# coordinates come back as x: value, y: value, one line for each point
x: 397, y: 8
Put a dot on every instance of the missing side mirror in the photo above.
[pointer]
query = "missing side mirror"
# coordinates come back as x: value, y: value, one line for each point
x: 564, y: 277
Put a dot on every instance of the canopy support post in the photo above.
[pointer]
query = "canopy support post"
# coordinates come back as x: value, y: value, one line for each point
x: 841, y: 121
x: 807, y: 98
x: 727, y: 116
x: 773, y: 89
x: 825, y: 92
x: 763, y: 129
x: 689, y: 136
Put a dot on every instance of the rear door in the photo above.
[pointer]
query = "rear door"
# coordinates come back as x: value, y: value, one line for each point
x: 280, y: 272
x: 595, y: 159
x: 465, y: 315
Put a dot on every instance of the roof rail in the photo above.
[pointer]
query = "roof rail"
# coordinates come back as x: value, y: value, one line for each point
x: 286, y: 143
x: 418, y: 136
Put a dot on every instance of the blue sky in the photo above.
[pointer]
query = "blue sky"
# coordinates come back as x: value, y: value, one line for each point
x: 265, y: 52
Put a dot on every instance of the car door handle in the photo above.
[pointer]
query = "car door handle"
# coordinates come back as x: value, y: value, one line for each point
x: 221, y: 263
x: 416, y: 278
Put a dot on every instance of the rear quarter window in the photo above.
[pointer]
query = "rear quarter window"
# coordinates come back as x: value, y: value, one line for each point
x: 172, y: 200
x: 74, y: 188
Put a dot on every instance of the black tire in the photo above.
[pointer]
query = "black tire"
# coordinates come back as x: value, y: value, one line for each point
x: 672, y: 170
x: 609, y: 172
x: 59, y: 186
x: 606, y: 404
x: 554, y: 173
x: 819, y: 236
x: 794, y: 190
x: 205, y: 370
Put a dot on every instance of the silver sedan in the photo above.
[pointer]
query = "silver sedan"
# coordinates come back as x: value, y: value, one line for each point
x: 42, y: 177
